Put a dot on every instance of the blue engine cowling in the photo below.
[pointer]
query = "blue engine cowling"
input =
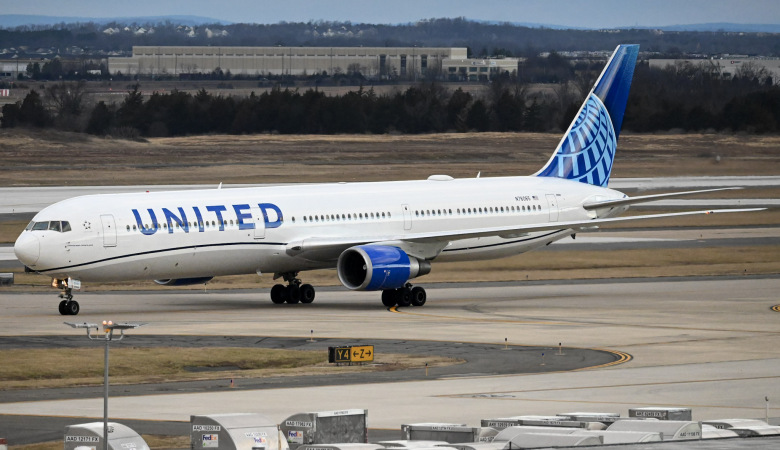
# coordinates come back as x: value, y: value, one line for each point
x: 184, y: 281
x: 375, y: 267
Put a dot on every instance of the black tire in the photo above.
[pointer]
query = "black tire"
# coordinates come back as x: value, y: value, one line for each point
x: 293, y: 294
x: 418, y: 296
x: 307, y: 293
x: 389, y: 298
x: 277, y: 294
x: 63, y: 308
x: 404, y: 296
x: 72, y: 308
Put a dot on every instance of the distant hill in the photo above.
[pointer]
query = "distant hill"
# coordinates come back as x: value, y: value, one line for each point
x: 705, y: 27
x: 15, y: 20
x: 726, y: 26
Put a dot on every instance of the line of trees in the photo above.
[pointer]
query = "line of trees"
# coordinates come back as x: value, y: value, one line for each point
x: 683, y: 97
x: 481, y: 37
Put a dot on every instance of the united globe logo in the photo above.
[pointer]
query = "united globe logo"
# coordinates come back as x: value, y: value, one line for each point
x: 586, y: 153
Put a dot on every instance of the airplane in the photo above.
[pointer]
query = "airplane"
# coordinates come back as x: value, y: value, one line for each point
x: 377, y: 235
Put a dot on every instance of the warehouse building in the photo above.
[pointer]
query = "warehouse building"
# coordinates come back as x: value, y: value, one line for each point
x: 371, y: 62
x: 727, y: 66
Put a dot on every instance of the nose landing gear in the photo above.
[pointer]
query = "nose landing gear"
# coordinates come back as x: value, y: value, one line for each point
x: 68, y: 306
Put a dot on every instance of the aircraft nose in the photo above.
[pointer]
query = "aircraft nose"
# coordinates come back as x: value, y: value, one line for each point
x: 27, y: 249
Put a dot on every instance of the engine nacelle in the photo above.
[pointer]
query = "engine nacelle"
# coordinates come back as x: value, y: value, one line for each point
x: 376, y: 267
x: 183, y: 281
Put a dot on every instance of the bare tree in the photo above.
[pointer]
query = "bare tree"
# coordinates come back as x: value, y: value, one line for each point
x: 66, y: 99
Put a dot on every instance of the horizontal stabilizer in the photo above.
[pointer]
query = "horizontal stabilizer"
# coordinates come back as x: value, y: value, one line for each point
x: 649, y: 198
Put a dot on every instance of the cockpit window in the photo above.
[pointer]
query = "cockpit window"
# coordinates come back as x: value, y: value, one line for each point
x: 54, y: 225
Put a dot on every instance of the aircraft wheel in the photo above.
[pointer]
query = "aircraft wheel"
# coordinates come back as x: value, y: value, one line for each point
x: 72, y: 308
x: 277, y: 294
x: 307, y: 293
x: 418, y: 296
x: 63, y: 308
x: 293, y: 294
x: 404, y: 296
x: 389, y: 298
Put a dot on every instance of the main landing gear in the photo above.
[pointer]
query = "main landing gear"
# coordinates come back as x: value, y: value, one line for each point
x: 68, y: 306
x: 294, y: 292
x: 404, y: 296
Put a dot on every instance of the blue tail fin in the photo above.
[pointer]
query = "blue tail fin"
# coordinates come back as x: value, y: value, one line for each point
x: 587, y: 150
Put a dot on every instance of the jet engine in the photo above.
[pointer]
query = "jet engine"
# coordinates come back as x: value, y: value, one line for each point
x: 376, y: 267
x: 183, y: 281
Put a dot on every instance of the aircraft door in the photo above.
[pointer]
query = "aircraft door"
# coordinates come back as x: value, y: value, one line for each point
x: 259, y: 221
x: 552, y: 203
x: 407, y: 217
x: 109, y: 230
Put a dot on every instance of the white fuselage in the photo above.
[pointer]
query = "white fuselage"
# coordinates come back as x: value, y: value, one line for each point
x: 247, y: 230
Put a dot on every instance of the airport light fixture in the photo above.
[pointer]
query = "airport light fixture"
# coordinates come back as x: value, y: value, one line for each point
x: 108, y: 336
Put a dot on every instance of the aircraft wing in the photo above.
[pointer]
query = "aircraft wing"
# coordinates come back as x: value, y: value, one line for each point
x: 428, y: 245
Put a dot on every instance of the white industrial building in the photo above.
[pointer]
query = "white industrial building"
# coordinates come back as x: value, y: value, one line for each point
x: 726, y: 67
x: 372, y: 62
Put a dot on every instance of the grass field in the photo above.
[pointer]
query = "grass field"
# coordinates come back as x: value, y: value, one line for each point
x: 36, y: 158
x: 57, y: 368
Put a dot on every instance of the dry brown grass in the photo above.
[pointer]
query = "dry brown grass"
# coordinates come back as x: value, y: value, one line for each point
x: 47, y: 368
x: 55, y: 158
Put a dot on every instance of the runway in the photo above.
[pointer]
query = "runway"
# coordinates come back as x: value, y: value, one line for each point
x: 708, y: 344
x: 28, y: 200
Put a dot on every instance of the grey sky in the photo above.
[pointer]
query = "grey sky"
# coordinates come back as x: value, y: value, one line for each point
x: 578, y: 13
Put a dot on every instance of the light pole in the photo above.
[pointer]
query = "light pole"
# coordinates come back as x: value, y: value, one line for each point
x: 108, y: 330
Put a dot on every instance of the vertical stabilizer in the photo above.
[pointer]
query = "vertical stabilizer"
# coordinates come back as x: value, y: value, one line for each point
x: 587, y: 150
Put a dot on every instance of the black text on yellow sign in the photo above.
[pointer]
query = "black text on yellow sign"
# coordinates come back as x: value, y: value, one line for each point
x: 363, y: 353
x: 360, y: 353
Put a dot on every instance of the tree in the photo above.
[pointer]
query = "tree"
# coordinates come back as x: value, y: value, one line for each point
x: 34, y: 71
x: 33, y: 112
x: 100, y: 120
x: 67, y: 99
x: 478, y: 118
x: 131, y: 112
x: 11, y: 112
